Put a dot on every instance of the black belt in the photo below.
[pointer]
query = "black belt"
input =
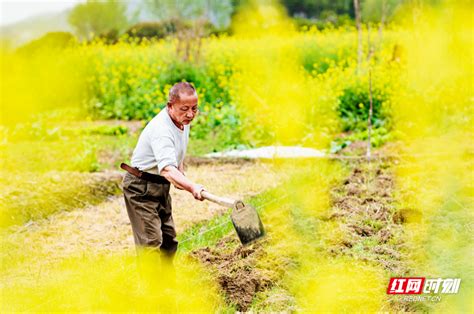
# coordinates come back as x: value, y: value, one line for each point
x: 144, y: 175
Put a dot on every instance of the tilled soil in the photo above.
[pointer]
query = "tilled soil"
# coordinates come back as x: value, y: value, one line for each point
x: 235, y: 270
x: 365, y: 207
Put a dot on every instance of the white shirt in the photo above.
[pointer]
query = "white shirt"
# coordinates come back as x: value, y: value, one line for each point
x: 160, y: 144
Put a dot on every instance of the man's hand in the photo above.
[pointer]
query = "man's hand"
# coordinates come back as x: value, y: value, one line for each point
x: 196, y: 190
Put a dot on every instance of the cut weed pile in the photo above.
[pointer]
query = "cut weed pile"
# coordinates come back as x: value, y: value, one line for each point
x: 369, y: 224
x: 235, y: 270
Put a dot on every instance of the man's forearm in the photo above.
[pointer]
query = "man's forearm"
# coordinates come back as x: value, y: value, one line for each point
x: 181, y: 168
x: 172, y: 174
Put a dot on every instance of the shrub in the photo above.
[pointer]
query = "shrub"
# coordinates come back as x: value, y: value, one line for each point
x: 353, y: 108
x: 110, y: 37
x: 155, y: 29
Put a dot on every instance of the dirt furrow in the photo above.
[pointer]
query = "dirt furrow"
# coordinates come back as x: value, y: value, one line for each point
x: 368, y: 228
x: 370, y: 223
x: 234, y: 267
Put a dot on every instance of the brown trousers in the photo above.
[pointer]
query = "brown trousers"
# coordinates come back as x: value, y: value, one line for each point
x: 149, y: 209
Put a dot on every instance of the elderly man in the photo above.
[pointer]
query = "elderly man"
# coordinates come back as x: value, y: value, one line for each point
x: 157, y: 161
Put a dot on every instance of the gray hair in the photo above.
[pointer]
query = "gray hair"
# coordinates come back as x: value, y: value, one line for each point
x: 177, y: 89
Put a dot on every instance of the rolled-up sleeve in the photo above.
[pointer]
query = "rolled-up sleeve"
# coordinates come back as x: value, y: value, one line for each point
x: 165, y: 152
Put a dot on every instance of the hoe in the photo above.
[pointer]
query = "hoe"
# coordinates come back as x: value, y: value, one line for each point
x: 245, y: 218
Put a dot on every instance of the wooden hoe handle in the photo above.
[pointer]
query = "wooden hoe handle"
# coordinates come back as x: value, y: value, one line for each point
x: 226, y: 202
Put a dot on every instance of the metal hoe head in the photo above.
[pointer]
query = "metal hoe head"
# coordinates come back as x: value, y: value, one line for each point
x: 246, y: 222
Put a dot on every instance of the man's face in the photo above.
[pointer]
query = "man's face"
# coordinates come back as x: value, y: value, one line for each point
x: 184, y: 110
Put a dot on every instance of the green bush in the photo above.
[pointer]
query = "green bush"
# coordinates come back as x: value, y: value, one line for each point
x: 156, y: 30
x: 353, y: 108
x: 110, y: 37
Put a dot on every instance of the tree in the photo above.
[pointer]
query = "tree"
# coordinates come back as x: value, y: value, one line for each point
x: 217, y: 12
x: 195, y: 16
x: 314, y: 9
x: 98, y: 17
